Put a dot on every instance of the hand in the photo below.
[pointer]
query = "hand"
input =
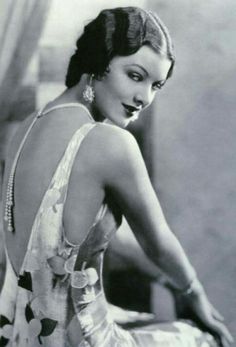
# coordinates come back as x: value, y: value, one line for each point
x: 197, y: 307
x: 122, y: 316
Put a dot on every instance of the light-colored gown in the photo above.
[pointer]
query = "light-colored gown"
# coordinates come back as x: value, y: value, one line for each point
x: 50, y: 304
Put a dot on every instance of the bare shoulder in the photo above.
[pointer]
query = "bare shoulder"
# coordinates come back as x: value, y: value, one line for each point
x: 115, y: 142
x: 114, y: 151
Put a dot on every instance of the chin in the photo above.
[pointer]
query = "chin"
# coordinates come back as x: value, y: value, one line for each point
x: 123, y: 123
x: 134, y: 118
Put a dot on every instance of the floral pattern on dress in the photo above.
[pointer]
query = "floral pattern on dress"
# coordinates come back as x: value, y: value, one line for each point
x: 40, y: 306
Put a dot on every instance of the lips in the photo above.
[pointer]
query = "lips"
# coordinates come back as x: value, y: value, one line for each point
x: 131, y: 110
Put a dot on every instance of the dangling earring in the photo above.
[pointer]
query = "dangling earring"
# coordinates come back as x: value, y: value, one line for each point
x: 88, y: 93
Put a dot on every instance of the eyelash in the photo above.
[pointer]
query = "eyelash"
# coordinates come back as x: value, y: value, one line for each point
x: 135, y: 76
x: 157, y: 86
x: 139, y: 78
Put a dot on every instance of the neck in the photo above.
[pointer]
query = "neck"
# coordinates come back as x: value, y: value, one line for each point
x: 71, y: 95
x: 75, y: 95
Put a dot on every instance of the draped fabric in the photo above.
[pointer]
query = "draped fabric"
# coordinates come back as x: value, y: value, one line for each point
x: 21, y: 25
x: 51, y: 301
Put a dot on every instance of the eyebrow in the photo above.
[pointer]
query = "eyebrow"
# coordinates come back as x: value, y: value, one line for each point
x: 141, y: 67
x: 162, y: 82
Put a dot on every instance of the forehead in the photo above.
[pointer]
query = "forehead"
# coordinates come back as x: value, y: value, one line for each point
x: 156, y: 65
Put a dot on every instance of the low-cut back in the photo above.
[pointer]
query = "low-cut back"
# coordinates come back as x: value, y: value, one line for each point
x: 58, y: 298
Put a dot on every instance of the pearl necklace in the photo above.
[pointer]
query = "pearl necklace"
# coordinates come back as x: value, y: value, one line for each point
x: 8, y: 214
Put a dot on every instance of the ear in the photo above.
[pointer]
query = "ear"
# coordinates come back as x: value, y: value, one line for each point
x: 85, y: 78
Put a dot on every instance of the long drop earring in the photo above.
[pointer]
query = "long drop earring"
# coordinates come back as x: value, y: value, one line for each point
x: 88, y: 93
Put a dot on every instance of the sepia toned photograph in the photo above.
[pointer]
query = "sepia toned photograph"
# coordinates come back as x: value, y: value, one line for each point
x: 117, y: 173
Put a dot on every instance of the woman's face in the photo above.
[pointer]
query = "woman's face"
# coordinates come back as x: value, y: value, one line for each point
x: 130, y: 86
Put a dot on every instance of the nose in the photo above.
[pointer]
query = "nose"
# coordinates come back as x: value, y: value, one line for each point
x: 143, y: 97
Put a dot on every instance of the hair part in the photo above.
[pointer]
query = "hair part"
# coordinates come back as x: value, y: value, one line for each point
x: 114, y: 32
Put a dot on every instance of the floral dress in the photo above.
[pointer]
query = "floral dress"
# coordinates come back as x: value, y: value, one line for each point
x: 51, y: 304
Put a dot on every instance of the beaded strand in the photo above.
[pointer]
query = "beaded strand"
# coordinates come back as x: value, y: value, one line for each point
x: 9, y: 204
x: 8, y: 212
x: 8, y: 215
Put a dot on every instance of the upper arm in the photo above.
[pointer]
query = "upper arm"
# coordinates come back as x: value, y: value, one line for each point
x: 126, y: 176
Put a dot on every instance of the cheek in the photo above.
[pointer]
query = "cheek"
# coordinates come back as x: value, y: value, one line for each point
x: 103, y: 88
x: 103, y: 96
x: 112, y: 87
x: 118, y: 84
x: 153, y: 97
x: 112, y: 84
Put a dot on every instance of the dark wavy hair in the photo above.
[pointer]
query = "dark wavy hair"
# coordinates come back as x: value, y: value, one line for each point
x: 114, y: 32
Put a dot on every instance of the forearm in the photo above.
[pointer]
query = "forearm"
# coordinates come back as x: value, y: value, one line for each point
x: 132, y: 190
x: 125, y: 252
x: 168, y: 254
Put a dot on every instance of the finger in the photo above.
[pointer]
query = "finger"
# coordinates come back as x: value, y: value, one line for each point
x: 217, y: 314
x: 221, y: 330
x: 224, y: 342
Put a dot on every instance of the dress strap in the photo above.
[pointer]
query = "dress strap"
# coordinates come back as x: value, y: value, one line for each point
x: 8, y: 213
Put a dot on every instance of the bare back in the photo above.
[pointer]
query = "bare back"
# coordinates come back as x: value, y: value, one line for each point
x: 39, y: 158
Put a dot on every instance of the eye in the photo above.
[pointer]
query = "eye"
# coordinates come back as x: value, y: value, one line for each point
x: 135, y: 76
x: 157, y: 85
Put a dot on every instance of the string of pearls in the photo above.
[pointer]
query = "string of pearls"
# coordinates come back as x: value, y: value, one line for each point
x: 8, y: 216
x: 8, y: 212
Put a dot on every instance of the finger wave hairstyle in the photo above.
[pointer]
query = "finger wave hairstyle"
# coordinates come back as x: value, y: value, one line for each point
x: 114, y: 32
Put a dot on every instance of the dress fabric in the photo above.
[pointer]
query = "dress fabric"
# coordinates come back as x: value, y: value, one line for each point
x: 43, y: 306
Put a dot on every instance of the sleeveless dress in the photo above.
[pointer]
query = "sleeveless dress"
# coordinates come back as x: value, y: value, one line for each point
x: 58, y: 298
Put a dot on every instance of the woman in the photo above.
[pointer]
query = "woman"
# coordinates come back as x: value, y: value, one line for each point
x: 73, y: 171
